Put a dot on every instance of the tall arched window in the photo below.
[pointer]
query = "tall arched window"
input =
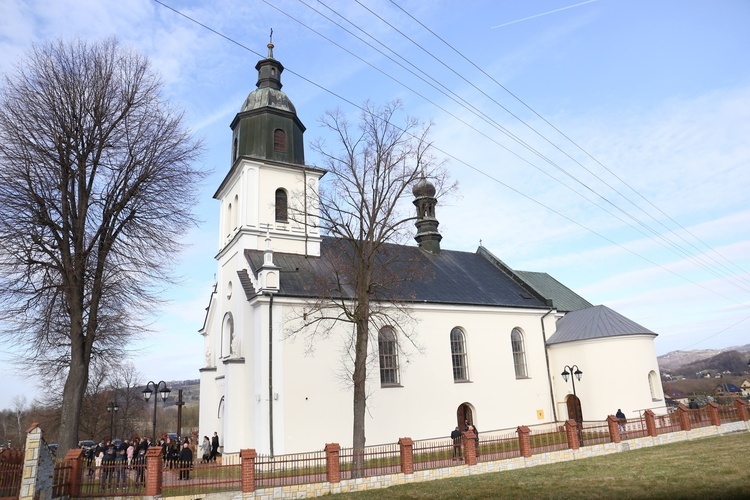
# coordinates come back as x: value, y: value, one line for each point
x: 235, y: 211
x: 227, y: 335
x: 388, y: 353
x: 458, y: 356
x: 281, y: 206
x: 279, y: 141
x: 653, y: 385
x: 519, y: 353
x: 228, y: 222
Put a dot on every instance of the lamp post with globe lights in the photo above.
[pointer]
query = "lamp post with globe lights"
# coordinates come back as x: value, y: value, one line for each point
x: 112, y: 408
x: 577, y: 373
x: 163, y: 391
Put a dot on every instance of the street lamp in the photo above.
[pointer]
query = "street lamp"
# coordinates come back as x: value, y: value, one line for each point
x: 565, y: 374
x: 112, y: 407
x: 163, y: 391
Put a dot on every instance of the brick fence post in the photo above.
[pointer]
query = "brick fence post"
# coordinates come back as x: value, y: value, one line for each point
x: 742, y: 409
x: 713, y: 413
x: 470, y: 447
x: 154, y: 466
x: 333, y: 463
x: 74, y: 460
x: 571, y: 430
x: 406, y: 446
x: 683, y: 412
x: 524, y: 440
x: 650, y: 423
x: 247, y: 458
x: 613, y: 424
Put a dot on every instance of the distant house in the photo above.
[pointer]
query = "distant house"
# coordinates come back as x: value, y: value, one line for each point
x: 678, y: 397
x: 727, y: 390
x: 745, y: 387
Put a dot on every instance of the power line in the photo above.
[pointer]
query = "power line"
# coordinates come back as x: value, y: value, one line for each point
x: 468, y: 165
x: 654, y: 235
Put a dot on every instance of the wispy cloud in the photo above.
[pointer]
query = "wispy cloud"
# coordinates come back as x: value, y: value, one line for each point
x: 542, y: 14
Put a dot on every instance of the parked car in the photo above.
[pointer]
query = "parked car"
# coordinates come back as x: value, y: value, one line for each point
x: 86, y: 445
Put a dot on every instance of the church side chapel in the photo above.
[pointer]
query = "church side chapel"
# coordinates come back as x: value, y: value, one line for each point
x: 494, y: 341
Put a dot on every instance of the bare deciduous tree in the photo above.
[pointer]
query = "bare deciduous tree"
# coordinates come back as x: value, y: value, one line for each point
x: 366, y: 207
x: 95, y: 191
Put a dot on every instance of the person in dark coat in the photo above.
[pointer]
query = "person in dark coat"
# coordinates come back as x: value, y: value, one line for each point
x: 139, y: 461
x: 456, y: 437
x: 214, y: 447
x: 186, y: 461
x: 108, y: 465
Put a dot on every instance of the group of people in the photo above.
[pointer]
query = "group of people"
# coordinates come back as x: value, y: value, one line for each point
x: 210, y: 449
x: 457, y: 437
x: 115, y: 458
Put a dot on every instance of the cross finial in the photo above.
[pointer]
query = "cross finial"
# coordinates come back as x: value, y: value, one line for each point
x: 270, y: 45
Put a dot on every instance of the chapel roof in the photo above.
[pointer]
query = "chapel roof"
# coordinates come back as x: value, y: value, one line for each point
x: 448, y: 277
x: 593, y: 323
x: 563, y: 298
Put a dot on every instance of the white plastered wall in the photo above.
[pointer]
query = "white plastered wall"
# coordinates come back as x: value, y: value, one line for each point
x: 615, y: 375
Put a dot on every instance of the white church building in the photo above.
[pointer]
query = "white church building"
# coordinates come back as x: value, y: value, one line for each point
x: 493, y: 341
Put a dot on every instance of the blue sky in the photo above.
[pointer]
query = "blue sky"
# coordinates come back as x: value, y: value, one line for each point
x: 637, y: 113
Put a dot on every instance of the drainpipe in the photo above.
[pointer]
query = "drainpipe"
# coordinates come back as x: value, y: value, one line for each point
x: 549, y: 375
x: 304, y: 173
x: 270, y: 372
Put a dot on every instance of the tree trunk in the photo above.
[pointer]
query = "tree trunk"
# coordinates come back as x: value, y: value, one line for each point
x: 70, y: 414
x: 360, y: 378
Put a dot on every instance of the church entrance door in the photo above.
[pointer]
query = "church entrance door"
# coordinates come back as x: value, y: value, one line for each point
x: 464, y: 416
x: 574, y: 410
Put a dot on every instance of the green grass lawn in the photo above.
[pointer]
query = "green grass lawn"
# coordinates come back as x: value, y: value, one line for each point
x: 710, y: 468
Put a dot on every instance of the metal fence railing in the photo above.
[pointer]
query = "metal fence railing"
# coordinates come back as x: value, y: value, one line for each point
x: 286, y: 470
x: 198, y: 479
x: 375, y: 461
x: 108, y: 479
x: 545, y: 439
x: 499, y: 445
x: 728, y: 413
x: 633, y: 428
x: 188, y: 479
x: 699, y: 418
x: 10, y: 479
x: 595, y: 433
x: 437, y: 452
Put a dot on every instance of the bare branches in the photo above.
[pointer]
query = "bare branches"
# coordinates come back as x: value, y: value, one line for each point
x: 365, y: 209
x: 95, y: 191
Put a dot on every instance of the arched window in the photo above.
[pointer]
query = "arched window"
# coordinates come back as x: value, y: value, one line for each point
x: 653, y: 385
x: 519, y: 353
x: 234, y: 149
x: 388, y: 352
x: 235, y: 211
x: 458, y: 356
x: 228, y: 222
x: 227, y: 336
x: 279, y: 141
x: 281, y: 206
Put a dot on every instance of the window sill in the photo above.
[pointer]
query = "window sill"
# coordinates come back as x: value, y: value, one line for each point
x: 462, y: 382
x: 523, y: 378
x: 390, y: 386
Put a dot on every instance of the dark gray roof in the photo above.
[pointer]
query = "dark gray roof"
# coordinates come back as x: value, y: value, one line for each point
x: 592, y: 323
x: 563, y: 298
x: 449, y: 277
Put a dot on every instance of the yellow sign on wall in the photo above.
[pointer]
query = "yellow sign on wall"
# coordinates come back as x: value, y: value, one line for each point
x: 540, y: 414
